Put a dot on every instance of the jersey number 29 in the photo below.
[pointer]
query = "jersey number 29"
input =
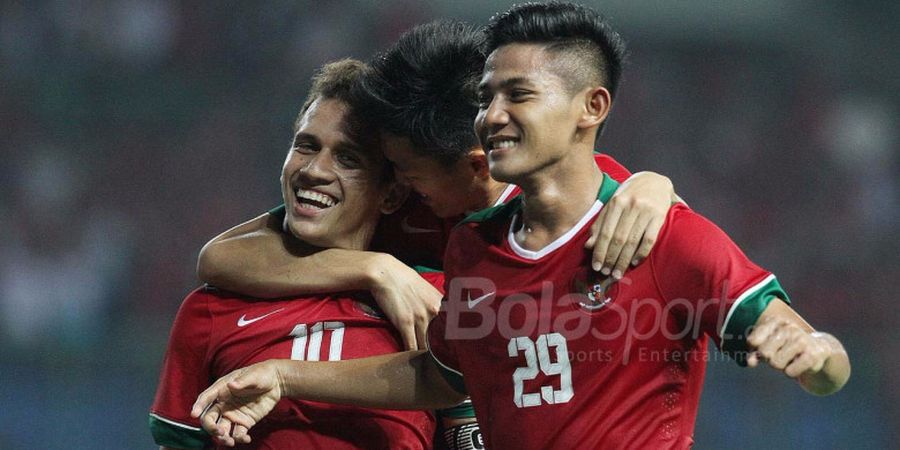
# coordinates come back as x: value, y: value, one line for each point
x: 537, y: 355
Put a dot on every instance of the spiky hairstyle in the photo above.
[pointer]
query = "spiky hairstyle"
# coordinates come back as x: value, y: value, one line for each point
x: 424, y: 88
x: 590, y: 50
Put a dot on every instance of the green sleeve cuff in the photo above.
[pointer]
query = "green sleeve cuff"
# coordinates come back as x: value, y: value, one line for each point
x: 744, y: 314
x: 168, y: 433
x: 463, y: 410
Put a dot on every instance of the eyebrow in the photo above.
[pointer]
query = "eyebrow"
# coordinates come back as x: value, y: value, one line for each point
x: 483, y: 86
x: 301, y: 136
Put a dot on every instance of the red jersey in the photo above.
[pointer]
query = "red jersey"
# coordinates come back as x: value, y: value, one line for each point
x: 217, y: 332
x: 416, y: 236
x: 553, y: 358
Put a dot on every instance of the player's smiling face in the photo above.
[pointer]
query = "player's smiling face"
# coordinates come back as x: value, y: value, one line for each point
x: 332, y: 187
x: 448, y: 191
x: 526, y: 115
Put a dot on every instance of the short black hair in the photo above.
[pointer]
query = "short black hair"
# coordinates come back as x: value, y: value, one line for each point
x: 597, y: 51
x: 424, y: 88
x: 336, y: 81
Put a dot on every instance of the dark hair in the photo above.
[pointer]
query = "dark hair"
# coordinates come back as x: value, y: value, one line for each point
x: 596, y: 50
x: 424, y: 88
x: 335, y: 81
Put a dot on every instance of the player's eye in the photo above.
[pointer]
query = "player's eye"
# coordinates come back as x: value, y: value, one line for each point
x: 519, y: 94
x: 304, y: 147
x: 349, y: 160
x: 484, y: 100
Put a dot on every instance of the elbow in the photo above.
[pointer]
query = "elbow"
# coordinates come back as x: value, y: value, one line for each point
x: 209, y: 264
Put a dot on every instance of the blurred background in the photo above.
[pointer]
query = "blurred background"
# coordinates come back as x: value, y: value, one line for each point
x: 134, y: 131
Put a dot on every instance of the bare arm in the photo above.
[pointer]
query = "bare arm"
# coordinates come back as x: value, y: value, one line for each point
x: 408, y: 380
x: 786, y: 342
x: 258, y: 259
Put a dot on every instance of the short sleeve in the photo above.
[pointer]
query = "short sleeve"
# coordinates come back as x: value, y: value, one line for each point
x: 611, y: 167
x: 185, y: 374
x: 717, y: 287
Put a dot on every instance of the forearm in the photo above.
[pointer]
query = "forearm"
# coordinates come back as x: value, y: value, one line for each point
x: 257, y: 259
x: 834, y: 373
x: 407, y: 380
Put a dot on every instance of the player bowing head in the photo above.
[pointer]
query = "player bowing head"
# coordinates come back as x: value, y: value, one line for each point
x: 422, y: 92
x: 548, y: 84
x: 335, y: 180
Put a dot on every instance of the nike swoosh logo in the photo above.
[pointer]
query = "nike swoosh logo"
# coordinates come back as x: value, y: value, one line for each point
x: 474, y: 301
x: 243, y: 321
x: 407, y: 228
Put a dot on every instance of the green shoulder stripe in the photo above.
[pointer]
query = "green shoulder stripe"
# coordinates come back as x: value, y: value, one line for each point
x: 608, y: 187
x: 505, y: 211
x: 278, y: 211
x: 743, y: 316
x: 424, y: 269
x: 169, y: 433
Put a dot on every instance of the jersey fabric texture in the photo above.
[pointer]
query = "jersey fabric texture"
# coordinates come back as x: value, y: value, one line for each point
x: 553, y: 356
x: 414, y: 235
x: 216, y: 332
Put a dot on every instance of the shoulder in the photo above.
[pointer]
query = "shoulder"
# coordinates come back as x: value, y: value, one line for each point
x: 687, y: 232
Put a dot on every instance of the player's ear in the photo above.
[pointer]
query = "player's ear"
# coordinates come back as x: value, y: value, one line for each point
x: 597, y: 103
x: 396, y: 195
x: 478, y: 161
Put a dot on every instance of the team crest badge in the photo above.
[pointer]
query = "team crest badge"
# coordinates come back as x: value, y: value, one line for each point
x: 594, y: 290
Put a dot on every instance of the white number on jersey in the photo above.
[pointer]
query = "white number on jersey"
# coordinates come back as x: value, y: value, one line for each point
x: 308, y: 341
x: 537, y: 354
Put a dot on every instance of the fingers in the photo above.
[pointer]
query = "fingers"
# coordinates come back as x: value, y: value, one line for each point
x: 595, y: 230
x: 761, y: 332
x: 626, y: 256
x: 206, y: 398
x: 407, y: 329
x: 421, y: 334
x: 209, y: 421
x: 787, y: 347
x: 753, y: 359
x: 651, y: 233
x: 240, y: 434
x: 608, y: 218
x: 620, y: 237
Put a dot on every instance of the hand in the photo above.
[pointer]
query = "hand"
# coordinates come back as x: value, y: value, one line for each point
x: 628, y: 225
x: 238, y: 401
x: 789, y: 348
x: 408, y: 301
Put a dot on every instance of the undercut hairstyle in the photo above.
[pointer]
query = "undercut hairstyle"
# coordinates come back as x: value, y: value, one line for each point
x: 335, y: 81
x: 424, y: 88
x: 588, y: 51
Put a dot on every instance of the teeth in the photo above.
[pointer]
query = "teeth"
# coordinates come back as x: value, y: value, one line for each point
x: 505, y: 144
x: 316, y: 197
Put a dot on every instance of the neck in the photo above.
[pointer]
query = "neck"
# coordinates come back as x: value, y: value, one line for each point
x: 486, y: 194
x: 495, y: 189
x: 557, y: 197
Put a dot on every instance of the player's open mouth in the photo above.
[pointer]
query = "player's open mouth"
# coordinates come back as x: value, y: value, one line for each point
x: 502, y: 143
x: 314, y: 200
